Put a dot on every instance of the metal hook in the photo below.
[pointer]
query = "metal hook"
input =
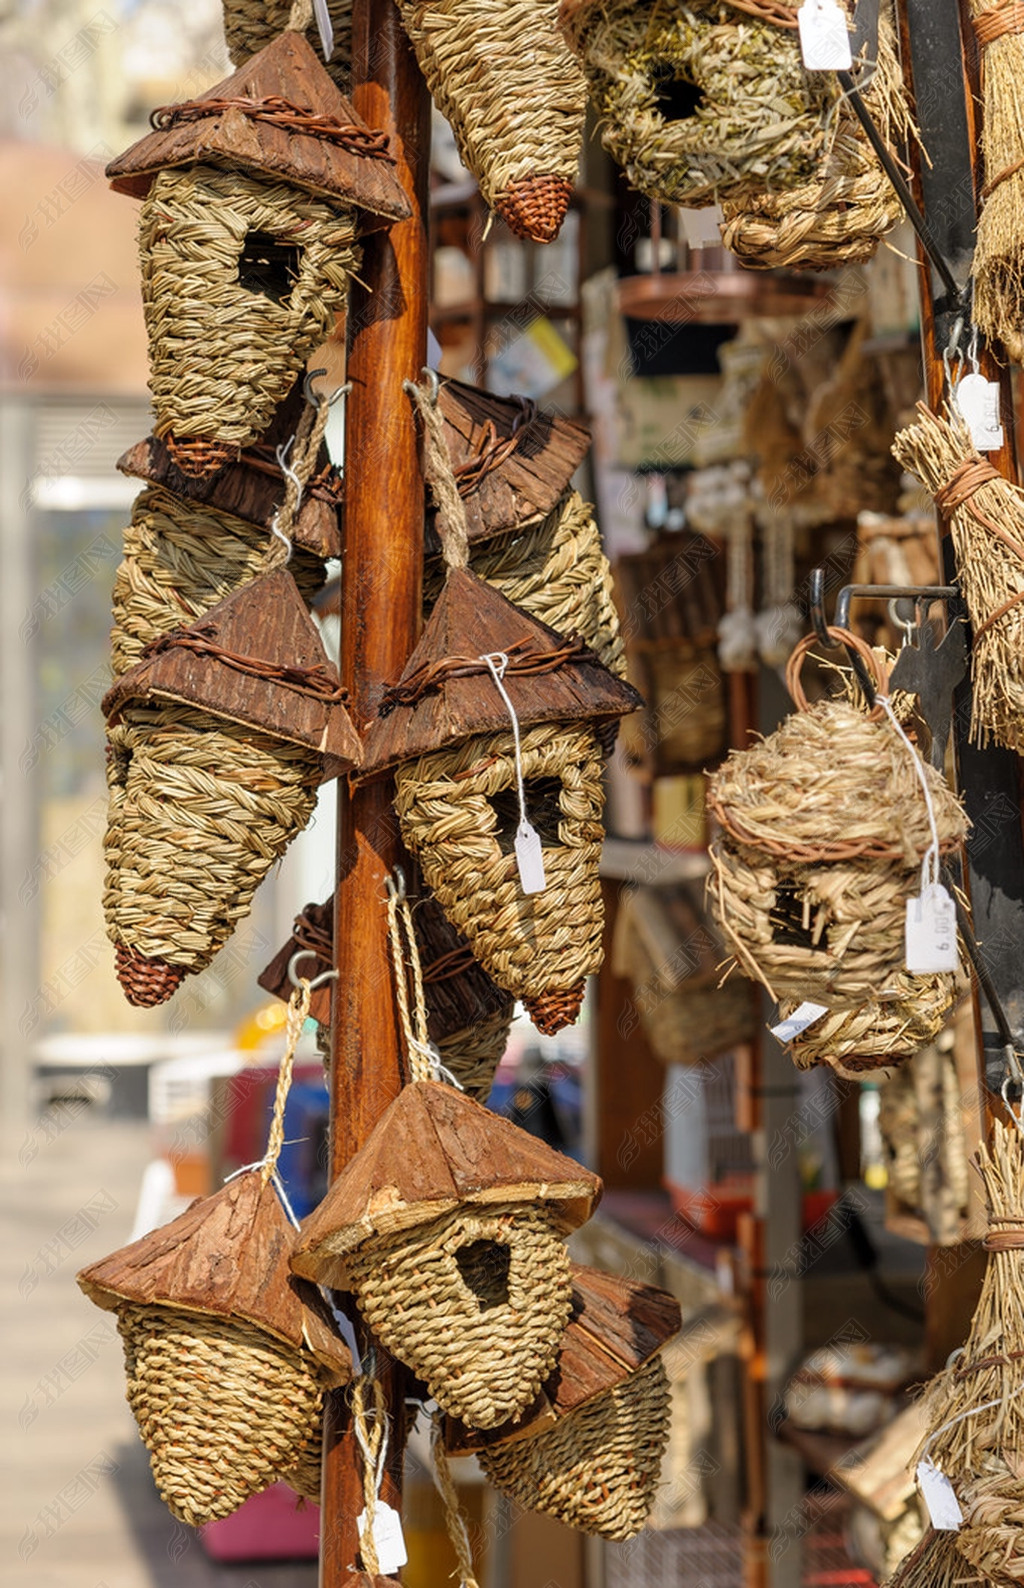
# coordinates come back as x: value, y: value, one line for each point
x: 911, y: 626
x: 433, y: 380
x: 318, y: 981
x: 317, y: 399
x: 951, y: 351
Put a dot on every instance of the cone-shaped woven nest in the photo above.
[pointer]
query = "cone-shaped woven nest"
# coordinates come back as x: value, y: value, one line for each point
x: 447, y: 1226
x: 227, y: 1354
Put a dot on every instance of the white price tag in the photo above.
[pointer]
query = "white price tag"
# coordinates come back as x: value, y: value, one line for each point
x: 324, y: 27
x: 387, y: 1536
x: 798, y: 1021
x: 530, y: 859
x: 700, y: 227
x: 931, y: 932
x: 940, y: 1498
x: 978, y: 401
x: 824, y: 36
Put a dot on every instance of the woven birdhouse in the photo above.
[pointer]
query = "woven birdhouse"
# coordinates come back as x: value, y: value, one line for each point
x: 448, y: 1227
x: 215, y: 751
x: 227, y: 1354
x: 824, y: 829
x: 698, y: 100
x: 880, y: 1032
x: 250, y: 25
x: 504, y: 79
x: 253, y: 196
x: 446, y: 729
x: 588, y: 1452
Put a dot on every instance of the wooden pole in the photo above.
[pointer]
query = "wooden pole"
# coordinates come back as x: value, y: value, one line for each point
x: 381, y: 599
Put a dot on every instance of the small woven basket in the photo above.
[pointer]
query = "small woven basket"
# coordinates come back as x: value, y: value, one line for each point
x: 250, y: 25
x: 881, y: 1031
x: 597, y: 1469
x: 503, y: 77
x: 458, y: 814
x: 229, y: 333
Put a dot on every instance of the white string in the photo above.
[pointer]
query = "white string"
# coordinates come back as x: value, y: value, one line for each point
x: 290, y: 475
x: 367, y: 1454
x: 932, y: 852
x: 972, y: 1411
x: 275, y: 1180
x: 493, y: 661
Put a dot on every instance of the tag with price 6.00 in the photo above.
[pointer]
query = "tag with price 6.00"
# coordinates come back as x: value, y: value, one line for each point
x: 931, y: 932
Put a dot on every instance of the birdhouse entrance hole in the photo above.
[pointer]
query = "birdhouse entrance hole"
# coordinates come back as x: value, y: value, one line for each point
x: 676, y: 97
x: 484, y: 1268
x: 787, y: 920
x: 542, y: 807
x: 268, y: 266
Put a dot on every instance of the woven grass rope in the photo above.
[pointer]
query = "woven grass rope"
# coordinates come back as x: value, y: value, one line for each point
x: 936, y: 1562
x: 180, y: 559
x: 597, y: 1469
x: 894, y: 1026
x: 476, y: 1301
x: 998, y: 267
x: 458, y: 814
x: 502, y: 75
x: 985, y: 514
x: 759, y: 122
x: 840, y: 215
x: 222, y: 357
x: 250, y: 25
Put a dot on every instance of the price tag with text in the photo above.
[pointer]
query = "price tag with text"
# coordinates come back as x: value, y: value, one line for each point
x: 931, y: 932
x: 530, y: 859
x: 978, y: 401
x: 387, y: 1536
x: 798, y: 1021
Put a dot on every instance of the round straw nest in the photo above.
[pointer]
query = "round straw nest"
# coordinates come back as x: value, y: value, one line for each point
x: 224, y: 355
x: 597, y: 1469
x: 250, y: 25
x: 458, y: 811
x: 907, y: 1015
x: 502, y: 75
x: 180, y: 559
x: 199, y: 810
x: 475, y: 1303
x: 686, y: 1020
x: 839, y: 216
x: 262, y: 1404
x: 760, y: 120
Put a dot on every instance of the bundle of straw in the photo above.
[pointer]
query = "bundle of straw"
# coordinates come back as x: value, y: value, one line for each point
x: 986, y: 519
x: 936, y: 1562
x: 998, y: 268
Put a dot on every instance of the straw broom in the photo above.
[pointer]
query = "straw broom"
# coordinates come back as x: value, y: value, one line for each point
x: 999, y: 256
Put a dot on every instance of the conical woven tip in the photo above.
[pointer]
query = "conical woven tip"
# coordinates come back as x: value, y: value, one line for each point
x: 552, y: 1010
x: 535, y: 207
x: 199, y: 457
x: 146, y: 982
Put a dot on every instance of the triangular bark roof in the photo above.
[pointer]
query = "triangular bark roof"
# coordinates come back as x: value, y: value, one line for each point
x: 432, y: 1151
x: 287, y: 69
x: 263, y: 624
x: 471, y: 619
x: 616, y: 1325
x: 227, y: 1256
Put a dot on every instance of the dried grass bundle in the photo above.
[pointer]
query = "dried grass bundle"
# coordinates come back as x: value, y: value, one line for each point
x: 998, y: 267
x: 936, y: 1562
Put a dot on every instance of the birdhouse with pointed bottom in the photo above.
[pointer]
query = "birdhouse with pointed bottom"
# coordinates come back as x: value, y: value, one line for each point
x: 448, y: 1226
x: 253, y: 197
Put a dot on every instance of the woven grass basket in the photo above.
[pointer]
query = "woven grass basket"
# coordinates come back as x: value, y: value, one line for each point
x: 458, y: 814
x: 882, y: 1031
x: 249, y: 25
x: 225, y: 351
x: 504, y: 78
x: 761, y: 122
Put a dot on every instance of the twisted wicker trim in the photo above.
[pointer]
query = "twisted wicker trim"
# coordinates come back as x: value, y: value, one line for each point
x: 483, y: 1358
x: 146, y: 982
x: 279, y: 112
x: 598, y: 1468
x: 314, y: 681
x: 223, y: 1408
x: 491, y: 451
x: 1005, y: 17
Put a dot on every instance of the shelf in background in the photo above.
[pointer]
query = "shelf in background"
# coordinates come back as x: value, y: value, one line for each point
x: 632, y: 860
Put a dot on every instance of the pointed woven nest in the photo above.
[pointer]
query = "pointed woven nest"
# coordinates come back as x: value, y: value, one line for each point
x: 215, y: 753
x: 589, y: 1450
x: 447, y: 1226
x: 227, y: 1354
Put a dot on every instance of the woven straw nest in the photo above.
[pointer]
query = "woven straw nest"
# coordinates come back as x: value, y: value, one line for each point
x: 760, y: 121
x: 840, y: 215
x: 992, y: 1538
x: 906, y: 1015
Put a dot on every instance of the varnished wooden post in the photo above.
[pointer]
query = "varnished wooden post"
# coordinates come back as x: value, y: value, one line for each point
x: 380, y: 617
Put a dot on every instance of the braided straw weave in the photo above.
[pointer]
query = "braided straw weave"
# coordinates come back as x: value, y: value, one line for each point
x: 472, y: 1056
x: 881, y: 1031
x: 998, y: 263
x: 180, y: 559
x: 482, y: 1337
x: 261, y: 1403
x: 500, y: 73
x: 221, y: 357
x: 458, y: 814
x: 597, y: 1469
x: 839, y: 216
x: 761, y: 121
x: 992, y: 1539
x: 250, y: 25
x: 199, y: 811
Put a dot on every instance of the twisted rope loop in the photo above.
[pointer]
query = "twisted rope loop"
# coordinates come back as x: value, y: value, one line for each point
x: 371, y: 1430
x: 279, y: 112
x: 454, y: 1520
x: 451, y: 510
x: 424, y: 1064
x: 298, y: 1009
x: 297, y: 460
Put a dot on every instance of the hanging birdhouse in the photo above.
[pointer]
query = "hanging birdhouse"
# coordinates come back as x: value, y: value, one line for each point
x: 515, y: 99
x: 227, y: 1354
x: 825, y: 825
x: 588, y: 1451
x: 880, y: 1032
x: 253, y: 196
x: 698, y: 100
x: 215, y: 751
x: 448, y: 1227
x: 250, y: 25
x: 466, y: 794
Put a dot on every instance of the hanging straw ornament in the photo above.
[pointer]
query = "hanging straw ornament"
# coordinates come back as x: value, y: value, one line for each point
x: 998, y: 265
x: 985, y: 514
x: 503, y: 78
x: 825, y: 827
x: 936, y: 1562
x: 752, y: 119
x: 589, y: 1451
x: 227, y: 1354
x: 448, y: 1228
x: 250, y: 25
x: 908, y: 1013
x: 253, y: 196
